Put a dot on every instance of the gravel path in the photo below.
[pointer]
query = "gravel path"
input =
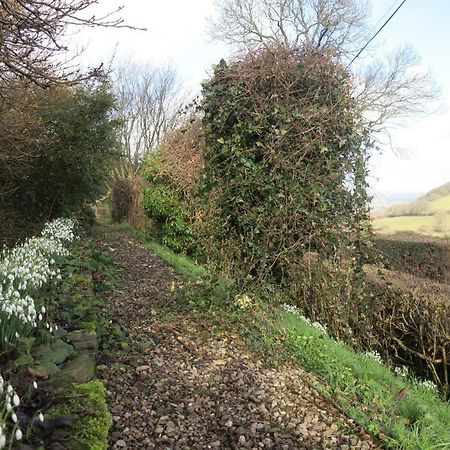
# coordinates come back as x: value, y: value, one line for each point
x: 185, y: 385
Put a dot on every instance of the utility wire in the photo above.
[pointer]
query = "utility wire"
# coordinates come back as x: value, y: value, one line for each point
x: 381, y: 19
x: 377, y: 33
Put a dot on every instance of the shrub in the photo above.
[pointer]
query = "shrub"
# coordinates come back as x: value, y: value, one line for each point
x: 164, y: 205
x: 127, y: 201
x: 181, y: 156
x: 284, y: 164
x: 417, y: 255
x: 61, y: 161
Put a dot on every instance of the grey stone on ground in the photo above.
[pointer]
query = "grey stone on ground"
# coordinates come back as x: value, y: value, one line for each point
x: 83, y: 340
x: 80, y: 369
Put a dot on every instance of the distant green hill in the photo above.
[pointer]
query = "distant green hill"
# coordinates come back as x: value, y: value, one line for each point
x: 437, y: 193
x: 441, y: 204
x: 428, y: 214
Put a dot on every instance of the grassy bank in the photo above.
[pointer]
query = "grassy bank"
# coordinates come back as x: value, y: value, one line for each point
x: 403, y: 411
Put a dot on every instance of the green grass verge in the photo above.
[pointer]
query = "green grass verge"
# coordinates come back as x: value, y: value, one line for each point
x: 403, y: 412
x: 182, y: 265
x: 87, y: 404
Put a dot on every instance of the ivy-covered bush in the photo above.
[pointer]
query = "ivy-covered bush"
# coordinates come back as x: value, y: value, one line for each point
x: 285, y: 165
x: 164, y: 205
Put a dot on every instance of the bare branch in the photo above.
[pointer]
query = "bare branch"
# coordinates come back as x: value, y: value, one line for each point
x: 320, y: 23
x: 149, y: 103
x: 31, y: 37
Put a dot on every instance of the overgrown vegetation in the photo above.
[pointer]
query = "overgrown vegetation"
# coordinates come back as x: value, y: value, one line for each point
x: 61, y: 163
x: 87, y: 404
x: 276, y: 200
x: 282, y: 177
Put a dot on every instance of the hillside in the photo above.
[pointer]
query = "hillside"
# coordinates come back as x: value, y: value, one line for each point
x: 441, y: 204
x: 429, y: 214
x: 437, y: 193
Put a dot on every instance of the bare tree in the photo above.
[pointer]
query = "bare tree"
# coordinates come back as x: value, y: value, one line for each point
x: 32, y: 37
x: 320, y: 23
x: 149, y: 102
x: 394, y: 88
x: 385, y: 89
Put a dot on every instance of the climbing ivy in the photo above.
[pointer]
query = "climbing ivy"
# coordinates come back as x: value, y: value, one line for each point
x: 285, y: 165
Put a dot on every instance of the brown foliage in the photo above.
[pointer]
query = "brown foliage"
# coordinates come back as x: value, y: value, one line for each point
x: 417, y: 255
x: 127, y: 202
x: 403, y: 317
x: 182, y: 155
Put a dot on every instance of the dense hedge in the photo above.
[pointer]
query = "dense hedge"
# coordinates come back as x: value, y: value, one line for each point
x: 400, y: 316
x: 59, y: 159
x: 284, y: 164
x: 416, y: 255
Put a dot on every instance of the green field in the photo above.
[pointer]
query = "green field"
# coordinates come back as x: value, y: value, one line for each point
x: 441, y: 204
x: 429, y: 225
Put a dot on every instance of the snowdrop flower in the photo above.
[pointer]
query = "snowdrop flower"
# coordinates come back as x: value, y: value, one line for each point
x: 14, y: 417
x: 243, y: 301
x: 19, y: 434
x: 41, y: 417
x: 25, y: 269
x: 401, y: 371
x: 294, y: 310
x: 16, y: 400
x: 35, y: 384
x: 429, y: 385
x: 375, y: 356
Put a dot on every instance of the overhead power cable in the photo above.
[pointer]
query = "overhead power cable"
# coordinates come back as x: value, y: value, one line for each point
x: 377, y: 33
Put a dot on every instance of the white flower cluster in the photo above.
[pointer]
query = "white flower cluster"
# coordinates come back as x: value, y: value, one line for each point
x: 428, y: 384
x: 375, y: 356
x: 294, y: 310
x: 243, y: 301
x: 401, y: 371
x: 9, y: 401
x: 60, y: 230
x: 24, y: 270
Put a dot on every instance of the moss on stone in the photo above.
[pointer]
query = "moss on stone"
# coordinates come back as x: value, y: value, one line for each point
x: 87, y: 404
x: 90, y: 325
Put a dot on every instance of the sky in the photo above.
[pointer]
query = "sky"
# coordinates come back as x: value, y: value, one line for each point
x: 176, y: 33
